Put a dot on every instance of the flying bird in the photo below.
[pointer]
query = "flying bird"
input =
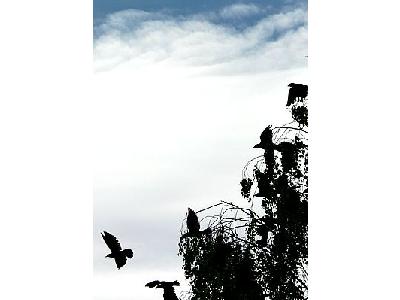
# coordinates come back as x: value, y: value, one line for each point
x: 296, y: 91
x: 193, y: 225
x: 167, y: 286
x: 117, y: 253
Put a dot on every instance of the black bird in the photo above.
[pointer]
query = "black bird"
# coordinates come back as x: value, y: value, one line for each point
x: 117, y: 253
x: 167, y: 286
x: 193, y: 225
x: 265, y: 139
x: 192, y: 221
x: 296, y: 91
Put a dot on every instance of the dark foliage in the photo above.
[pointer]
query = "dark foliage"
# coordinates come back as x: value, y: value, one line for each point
x: 246, y: 184
x: 300, y: 114
x: 219, y: 268
x: 248, y: 256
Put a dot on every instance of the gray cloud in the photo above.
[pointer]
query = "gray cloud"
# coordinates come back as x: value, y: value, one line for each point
x: 137, y: 38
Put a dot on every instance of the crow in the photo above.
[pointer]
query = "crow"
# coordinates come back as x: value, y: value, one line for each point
x: 192, y: 221
x: 296, y: 91
x: 265, y: 139
x: 168, y: 287
x: 193, y: 225
x: 117, y: 253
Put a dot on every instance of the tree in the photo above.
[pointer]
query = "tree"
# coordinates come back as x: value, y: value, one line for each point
x: 249, y: 256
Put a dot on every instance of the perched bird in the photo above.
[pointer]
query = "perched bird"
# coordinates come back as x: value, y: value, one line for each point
x: 117, y: 253
x: 153, y: 284
x: 167, y: 286
x: 296, y: 91
x: 265, y: 139
x: 192, y: 221
x: 193, y: 225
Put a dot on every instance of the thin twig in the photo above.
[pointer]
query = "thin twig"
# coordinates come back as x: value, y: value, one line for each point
x: 290, y: 127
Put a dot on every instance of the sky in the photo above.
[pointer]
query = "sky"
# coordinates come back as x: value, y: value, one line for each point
x: 183, y: 92
x: 102, y: 8
x: 47, y: 143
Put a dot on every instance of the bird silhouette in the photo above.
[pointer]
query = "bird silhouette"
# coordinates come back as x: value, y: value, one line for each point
x: 193, y: 225
x: 167, y: 286
x: 117, y: 253
x: 267, y: 143
x: 296, y: 91
x: 265, y: 139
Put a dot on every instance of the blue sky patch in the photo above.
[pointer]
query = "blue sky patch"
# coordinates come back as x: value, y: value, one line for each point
x: 236, y: 14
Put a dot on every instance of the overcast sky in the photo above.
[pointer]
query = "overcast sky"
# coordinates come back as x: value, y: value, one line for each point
x: 183, y: 92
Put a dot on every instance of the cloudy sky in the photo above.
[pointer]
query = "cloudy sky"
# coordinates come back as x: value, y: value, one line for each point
x: 183, y: 89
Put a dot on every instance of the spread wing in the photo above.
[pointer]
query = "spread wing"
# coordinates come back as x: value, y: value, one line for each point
x: 192, y: 221
x: 120, y: 260
x: 111, y: 242
x: 153, y: 284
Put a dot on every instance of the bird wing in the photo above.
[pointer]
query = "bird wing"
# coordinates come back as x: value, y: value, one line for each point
x: 120, y: 260
x: 111, y: 242
x: 192, y: 221
x: 152, y: 284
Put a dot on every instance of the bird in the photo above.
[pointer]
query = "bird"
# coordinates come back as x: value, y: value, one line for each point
x: 167, y: 286
x: 193, y: 225
x: 117, y: 253
x: 192, y: 221
x: 265, y: 139
x: 296, y: 91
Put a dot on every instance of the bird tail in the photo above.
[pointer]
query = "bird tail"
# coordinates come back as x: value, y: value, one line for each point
x: 128, y: 253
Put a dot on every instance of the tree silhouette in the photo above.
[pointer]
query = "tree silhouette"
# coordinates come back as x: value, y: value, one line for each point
x: 250, y: 256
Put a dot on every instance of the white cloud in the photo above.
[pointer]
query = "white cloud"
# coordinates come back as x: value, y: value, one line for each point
x: 240, y: 10
x: 132, y: 39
